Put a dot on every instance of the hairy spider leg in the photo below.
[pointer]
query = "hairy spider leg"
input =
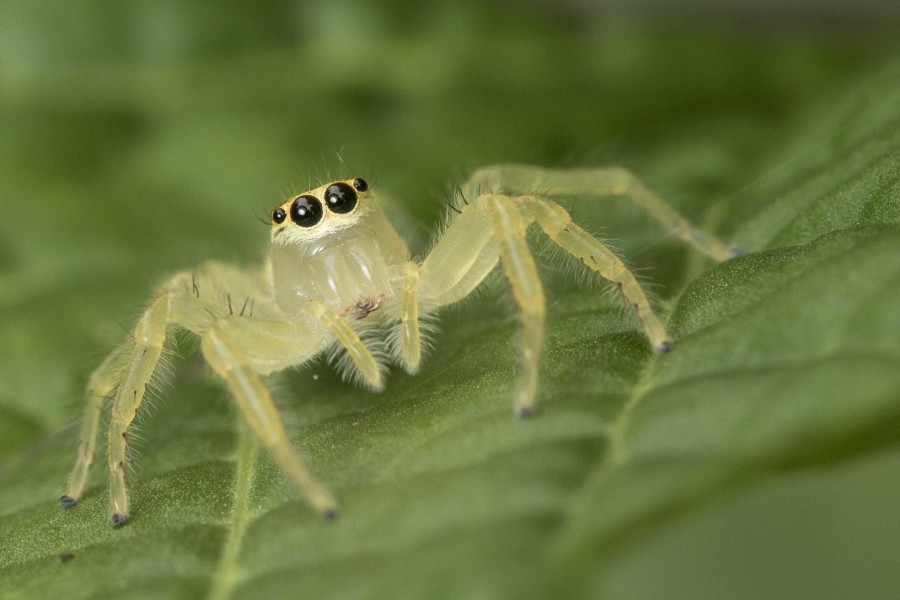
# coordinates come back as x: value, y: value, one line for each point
x: 518, y: 264
x: 240, y: 349
x: 472, y: 245
x: 239, y: 291
x: 149, y: 339
x: 410, y: 337
x: 100, y: 385
x: 556, y: 222
x: 489, y: 229
x: 608, y: 181
x: 130, y: 377
x: 224, y: 347
x: 365, y: 363
x: 276, y: 345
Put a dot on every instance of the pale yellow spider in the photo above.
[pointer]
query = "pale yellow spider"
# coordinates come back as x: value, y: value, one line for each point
x: 339, y: 276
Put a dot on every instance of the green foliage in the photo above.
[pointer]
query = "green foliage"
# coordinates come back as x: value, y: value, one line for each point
x: 758, y: 459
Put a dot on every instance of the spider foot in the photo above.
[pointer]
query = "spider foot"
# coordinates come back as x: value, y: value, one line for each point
x: 523, y: 412
x: 664, y: 347
x: 119, y: 520
x: 324, y: 503
x: 66, y: 501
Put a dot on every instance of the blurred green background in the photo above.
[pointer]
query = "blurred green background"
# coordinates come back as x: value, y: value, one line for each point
x: 138, y: 138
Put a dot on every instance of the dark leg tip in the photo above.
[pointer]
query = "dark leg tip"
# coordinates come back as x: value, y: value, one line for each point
x: 330, y: 514
x: 66, y: 501
x: 735, y: 252
x: 666, y: 346
x: 119, y: 520
x: 523, y: 412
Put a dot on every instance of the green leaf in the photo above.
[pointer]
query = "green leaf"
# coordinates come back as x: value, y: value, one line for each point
x: 758, y: 459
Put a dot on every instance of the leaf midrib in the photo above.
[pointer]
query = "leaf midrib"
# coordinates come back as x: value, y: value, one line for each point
x: 227, y: 574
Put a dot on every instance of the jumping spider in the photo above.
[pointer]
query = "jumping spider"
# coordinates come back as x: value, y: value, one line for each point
x: 338, y: 271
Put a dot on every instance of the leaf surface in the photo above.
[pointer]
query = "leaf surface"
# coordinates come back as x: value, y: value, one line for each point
x: 757, y: 459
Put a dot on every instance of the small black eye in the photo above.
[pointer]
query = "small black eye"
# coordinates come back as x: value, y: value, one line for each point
x: 278, y: 215
x: 341, y: 198
x: 306, y: 211
x: 360, y: 184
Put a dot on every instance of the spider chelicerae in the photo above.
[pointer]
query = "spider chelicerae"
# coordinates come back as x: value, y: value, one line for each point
x: 339, y: 276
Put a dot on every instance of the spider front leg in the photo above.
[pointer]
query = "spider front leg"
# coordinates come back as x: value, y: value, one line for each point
x: 362, y: 358
x: 518, y: 264
x: 489, y: 229
x: 410, y: 338
x: 237, y: 349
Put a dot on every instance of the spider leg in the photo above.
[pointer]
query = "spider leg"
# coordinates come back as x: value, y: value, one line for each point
x: 557, y: 224
x: 518, y: 264
x: 492, y: 228
x: 460, y: 260
x: 149, y: 338
x: 239, y: 347
x: 274, y: 345
x: 177, y: 304
x: 216, y: 277
x: 356, y: 350
x: 488, y: 229
x: 610, y: 181
x: 243, y: 287
x: 221, y: 348
x: 410, y: 337
x: 100, y: 385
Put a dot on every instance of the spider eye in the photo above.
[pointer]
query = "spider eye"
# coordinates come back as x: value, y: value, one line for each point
x: 278, y: 215
x: 341, y: 198
x: 306, y: 211
x: 360, y: 184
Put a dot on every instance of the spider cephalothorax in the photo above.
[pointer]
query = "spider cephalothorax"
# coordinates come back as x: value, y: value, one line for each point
x: 335, y: 245
x: 339, y: 276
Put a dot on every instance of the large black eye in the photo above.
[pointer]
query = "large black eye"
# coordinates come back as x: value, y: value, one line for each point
x: 306, y: 211
x: 278, y: 215
x: 341, y: 198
